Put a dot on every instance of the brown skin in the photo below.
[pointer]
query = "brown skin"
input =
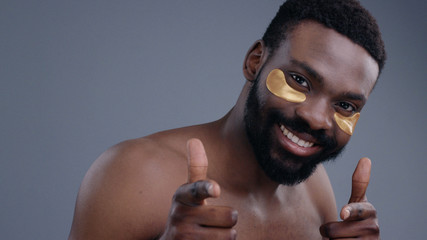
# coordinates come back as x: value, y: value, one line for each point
x: 137, y: 190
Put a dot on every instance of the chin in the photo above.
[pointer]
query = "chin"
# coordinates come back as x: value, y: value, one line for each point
x: 287, y: 172
x: 291, y: 170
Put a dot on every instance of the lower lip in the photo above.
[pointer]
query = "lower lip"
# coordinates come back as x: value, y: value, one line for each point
x: 293, y: 147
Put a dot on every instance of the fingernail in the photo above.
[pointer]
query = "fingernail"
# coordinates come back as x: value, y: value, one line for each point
x: 346, y: 214
x: 210, y: 189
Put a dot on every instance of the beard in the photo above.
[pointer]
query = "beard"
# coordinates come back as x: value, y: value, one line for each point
x: 277, y: 163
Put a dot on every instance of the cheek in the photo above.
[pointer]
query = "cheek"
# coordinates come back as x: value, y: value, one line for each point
x: 342, y: 138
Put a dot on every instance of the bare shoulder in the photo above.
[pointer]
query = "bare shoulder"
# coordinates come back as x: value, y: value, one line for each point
x: 322, y: 194
x: 126, y: 193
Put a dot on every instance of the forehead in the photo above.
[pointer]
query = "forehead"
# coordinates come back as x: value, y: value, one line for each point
x: 334, y: 57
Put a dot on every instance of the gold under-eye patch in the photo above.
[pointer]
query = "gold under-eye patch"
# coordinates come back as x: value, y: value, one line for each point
x: 347, y: 124
x: 276, y: 83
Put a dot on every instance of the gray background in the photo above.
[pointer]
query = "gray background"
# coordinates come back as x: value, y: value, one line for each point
x: 80, y: 76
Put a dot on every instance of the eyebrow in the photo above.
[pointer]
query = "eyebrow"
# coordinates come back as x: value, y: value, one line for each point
x: 308, y: 69
x: 354, y: 96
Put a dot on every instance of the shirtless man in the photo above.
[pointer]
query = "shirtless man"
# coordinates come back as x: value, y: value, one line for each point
x: 307, y: 81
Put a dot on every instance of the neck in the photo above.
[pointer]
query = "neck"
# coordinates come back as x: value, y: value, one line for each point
x: 237, y: 167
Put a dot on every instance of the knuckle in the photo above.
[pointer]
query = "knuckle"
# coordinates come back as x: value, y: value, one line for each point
x: 359, y: 211
x: 371, y: 230
x: 192, y: 193
x: 195, y: 189
x: 374, y: 228
x: 179, y: 193
x: 365, y: 210
x: 325, y: 230
x: 199, y: 189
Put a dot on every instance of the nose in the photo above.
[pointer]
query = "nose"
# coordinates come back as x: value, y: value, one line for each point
x: 317, y: 113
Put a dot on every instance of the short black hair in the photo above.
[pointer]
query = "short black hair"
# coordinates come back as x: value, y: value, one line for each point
x: 347, y: 17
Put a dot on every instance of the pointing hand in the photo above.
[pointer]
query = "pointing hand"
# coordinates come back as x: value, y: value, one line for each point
x: 190, y: 217
x: 359, y: 216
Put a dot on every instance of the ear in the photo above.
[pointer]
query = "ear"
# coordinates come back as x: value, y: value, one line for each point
x: 254, y: 60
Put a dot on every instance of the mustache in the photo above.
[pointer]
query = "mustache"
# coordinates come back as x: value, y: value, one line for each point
x: 300, y: 125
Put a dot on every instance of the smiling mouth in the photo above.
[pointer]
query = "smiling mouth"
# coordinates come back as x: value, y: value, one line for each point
x: 286, y: 132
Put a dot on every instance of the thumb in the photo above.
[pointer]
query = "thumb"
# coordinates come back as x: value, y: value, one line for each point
x: 360, y: 180
x: 197, y: 161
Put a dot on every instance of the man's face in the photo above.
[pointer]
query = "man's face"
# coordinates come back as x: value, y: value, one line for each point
x: 290, y: 139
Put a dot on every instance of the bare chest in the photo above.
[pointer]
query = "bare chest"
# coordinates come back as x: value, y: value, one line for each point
x: 295, y: 218
x: 289, y: 224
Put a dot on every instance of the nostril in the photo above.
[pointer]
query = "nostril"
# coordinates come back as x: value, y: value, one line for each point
x: 317, y: 113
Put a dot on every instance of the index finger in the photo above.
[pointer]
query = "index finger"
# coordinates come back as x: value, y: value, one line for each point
x: 360, y: 180
x: 197, y: 161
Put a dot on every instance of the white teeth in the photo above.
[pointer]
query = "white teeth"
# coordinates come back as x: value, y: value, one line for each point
x: 294, y: 138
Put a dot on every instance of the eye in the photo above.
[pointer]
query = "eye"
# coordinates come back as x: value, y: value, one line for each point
x: 346, y: 106
x: 300, y: 80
